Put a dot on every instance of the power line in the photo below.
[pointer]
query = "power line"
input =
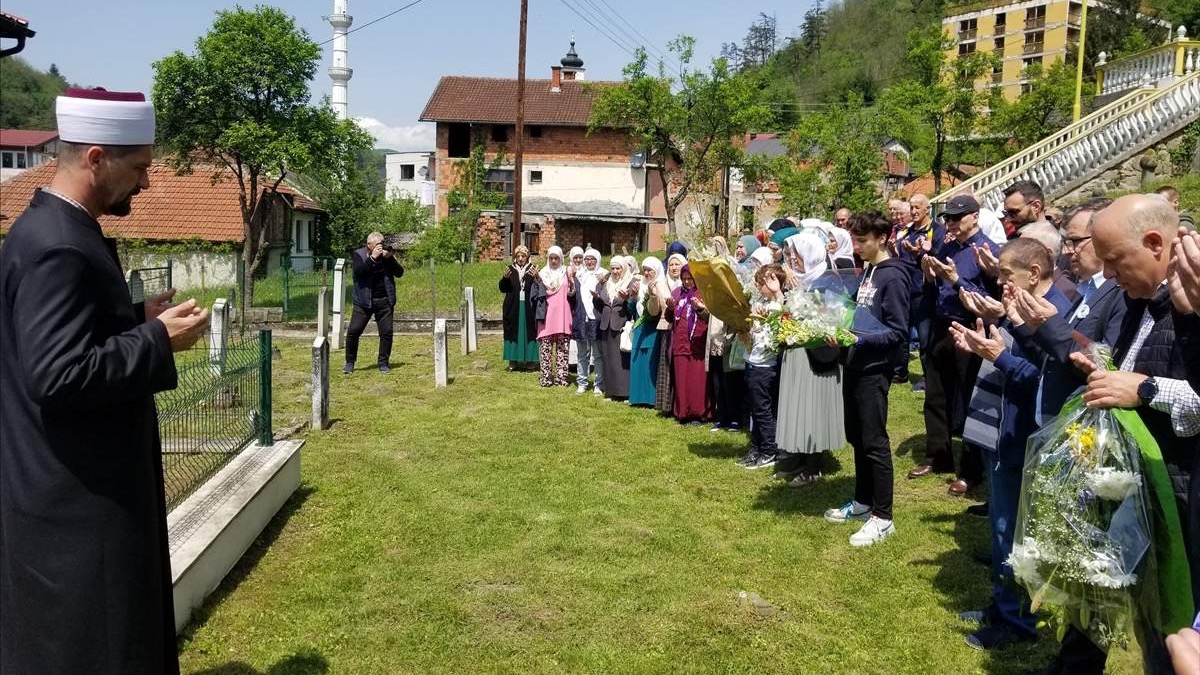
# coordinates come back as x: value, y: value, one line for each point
x: 608, y: 30
x: 375, y: 21
x: 589, y: 22
x: 640, y: 39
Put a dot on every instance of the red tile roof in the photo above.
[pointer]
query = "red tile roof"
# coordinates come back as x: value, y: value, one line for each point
x: 26, y: 138
x: 176, y: 207
x: 494, y: 100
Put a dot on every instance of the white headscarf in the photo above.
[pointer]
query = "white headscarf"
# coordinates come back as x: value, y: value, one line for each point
x: 575, y: 250
x: 589, y: 281
x: 672, y: 284
x: 845, y: 245
x: 616, y: 285
x: 659, y: 274
x: 762, y: 255
x: 552, y: 275
x: 809, y: 248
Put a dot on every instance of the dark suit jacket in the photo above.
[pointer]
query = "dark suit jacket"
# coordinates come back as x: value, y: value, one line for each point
x: 367, y: 269
x: 85, y: 578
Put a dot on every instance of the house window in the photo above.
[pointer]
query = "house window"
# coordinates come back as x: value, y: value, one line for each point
x: 459, y: 145
x: 998, y: 45
x: 499, y: 133
x: 1025, y: 63
x: 535, y: 132
x: 20, y: 160
x: 1001, y: 21
x: 1035, y: 17
x: 535, y: 176
x: 408, y: 171
x: 301, y: 236
x: 500, y: 180
x: 6, y: 160
x: 966, y: 48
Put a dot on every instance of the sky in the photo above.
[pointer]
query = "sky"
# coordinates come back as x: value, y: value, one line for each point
x: 397, y: 61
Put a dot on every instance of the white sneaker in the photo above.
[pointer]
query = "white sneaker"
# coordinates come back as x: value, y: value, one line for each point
x: 599, y: 394
x: 851, y: 510
x: 581, y: 390
x: 875, y: 530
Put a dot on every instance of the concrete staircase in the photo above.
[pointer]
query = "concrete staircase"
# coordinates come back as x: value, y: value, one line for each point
x: 1155, y: 94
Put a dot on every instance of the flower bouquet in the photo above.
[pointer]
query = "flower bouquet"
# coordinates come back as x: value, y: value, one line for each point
x: 722, y: 292
x: 1091, y: 510
x: 809, y: 317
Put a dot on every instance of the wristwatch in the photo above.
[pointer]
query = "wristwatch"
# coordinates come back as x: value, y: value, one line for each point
x: 1147, y: 390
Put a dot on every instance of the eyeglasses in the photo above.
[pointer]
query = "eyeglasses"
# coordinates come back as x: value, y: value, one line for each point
x: 1074, y: 243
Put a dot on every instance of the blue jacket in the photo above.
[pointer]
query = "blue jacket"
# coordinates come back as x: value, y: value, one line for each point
x: 936, y: 232
x: 1022, y: 374
x: 367, y: 269
x: 970, y: 277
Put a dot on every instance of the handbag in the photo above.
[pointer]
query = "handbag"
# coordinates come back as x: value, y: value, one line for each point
x: 627, y: 337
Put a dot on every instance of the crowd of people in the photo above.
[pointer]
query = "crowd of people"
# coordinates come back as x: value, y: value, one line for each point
x: 999, y: 309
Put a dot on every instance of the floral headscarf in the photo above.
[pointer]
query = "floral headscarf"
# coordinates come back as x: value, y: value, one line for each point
x: 684, y: 311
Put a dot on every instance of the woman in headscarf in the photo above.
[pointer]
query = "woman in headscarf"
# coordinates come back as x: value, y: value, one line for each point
x: 689, y: 357
x: 648, y: 333
x: 615, y: 304
x: 746, y: 246
x: 781, y: 229
x: 841, y: 249
x: 574, y: 262
x: 520, y: 328
x: 664, y: 394
x: 554, y: 318
x: 586, y: 320
x: 810, y: 399
x: 676, y: 248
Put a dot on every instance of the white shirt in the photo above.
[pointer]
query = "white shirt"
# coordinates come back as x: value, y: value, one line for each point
x: 1174, y: 397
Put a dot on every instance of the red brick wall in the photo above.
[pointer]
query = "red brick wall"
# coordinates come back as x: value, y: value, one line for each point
x: 491, y: 244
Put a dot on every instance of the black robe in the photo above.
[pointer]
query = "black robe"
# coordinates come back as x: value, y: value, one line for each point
x: 510, y: 286
x: 85, y: 573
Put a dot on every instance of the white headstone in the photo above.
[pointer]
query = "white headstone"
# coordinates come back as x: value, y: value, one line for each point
x: 440, y: 370
x: 218, y: 335
x: 472, y: 327
x: 339, y: 301
x: 323, y: 312
x: 320, y: 383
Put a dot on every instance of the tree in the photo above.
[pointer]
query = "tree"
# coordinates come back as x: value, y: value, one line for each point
x: 761, y: 40
x: 940, y: 92
x: 28, y: 95
x: 241, y: 101
x: 812, y: 31
x: 834, y: 159
x: 1045, y: 108
x: 689, y: 127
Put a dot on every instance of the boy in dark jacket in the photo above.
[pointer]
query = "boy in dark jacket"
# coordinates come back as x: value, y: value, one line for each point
x: 885, y: 291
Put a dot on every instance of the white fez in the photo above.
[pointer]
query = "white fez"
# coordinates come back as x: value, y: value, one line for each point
x: 99, y: 117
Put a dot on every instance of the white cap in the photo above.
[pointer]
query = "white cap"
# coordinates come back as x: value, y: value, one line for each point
x: 99, y: 117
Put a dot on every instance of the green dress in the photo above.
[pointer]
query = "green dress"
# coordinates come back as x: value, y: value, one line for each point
x: 523, y: 349
x: 520, y: 344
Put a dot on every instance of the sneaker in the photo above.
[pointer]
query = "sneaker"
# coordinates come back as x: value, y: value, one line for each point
x: 874, y: 531
x: 851, y: 510
x: 581, y: 390
x: 598, y: 393
x: 804, y: 478
x: 735, y: 427
x: 996, y: 637
x: 385, y: 368
x: 749, y: 458
x: 979, y: 617
x: 717, y: 427
x: 763, y: 461
x: 348, y: 368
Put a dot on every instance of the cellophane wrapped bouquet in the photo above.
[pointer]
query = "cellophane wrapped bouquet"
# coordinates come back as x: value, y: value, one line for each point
x: 809, y: 317
x: 1084, y: 525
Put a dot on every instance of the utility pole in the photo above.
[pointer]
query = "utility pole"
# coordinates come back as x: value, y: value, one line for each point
x: 1079, y: 64
x: 518, y: 143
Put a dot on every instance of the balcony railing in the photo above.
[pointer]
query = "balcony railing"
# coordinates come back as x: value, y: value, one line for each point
x: 966, y: 35
x: 1033, y: 48
x: 1035, y: 23
x: 997, y: 78
x: 1167, y: 62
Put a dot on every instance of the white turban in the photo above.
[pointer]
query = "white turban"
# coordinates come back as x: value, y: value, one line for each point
x: 99, y: 117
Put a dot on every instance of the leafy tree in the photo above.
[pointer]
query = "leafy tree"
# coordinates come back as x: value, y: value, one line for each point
x: 834, y: 159
x: 1042, y: 110
x: 689, y: 127
x: 28, y: 95
x: 940, y: 93
x: 241, y: 100
x: 761, y: 40
x: 812, y: 31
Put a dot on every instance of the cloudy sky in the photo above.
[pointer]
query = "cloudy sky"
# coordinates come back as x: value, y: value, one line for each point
x: 397, y: 61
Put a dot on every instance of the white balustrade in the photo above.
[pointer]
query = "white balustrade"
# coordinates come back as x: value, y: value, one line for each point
x: 1154, y: 66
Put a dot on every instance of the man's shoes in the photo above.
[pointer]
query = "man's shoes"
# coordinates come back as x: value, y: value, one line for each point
x: 921, y: 471
x: 581, y: 390
x: 980, y: 510
x: 348, y: 368
x: 874, y: 531
x: 919, y: 386
x: 717, y: 427
x: 385, y: 368
x: 847, y: 512
x: 734, y: 427
x: 958, y: 488
x: 598, y: 393
x: 750, y: 457
x: 900, y: 378
x: 996, y: 637
x: 762, y: 461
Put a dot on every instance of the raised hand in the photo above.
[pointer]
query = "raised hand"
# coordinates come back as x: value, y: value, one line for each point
x: 984, y: 342
x: 1033, y: 310
x: 988, y: 263
x: 156, y: 304
x: 981, y: 305
x: 1184, y: 272
x: 185, y: 323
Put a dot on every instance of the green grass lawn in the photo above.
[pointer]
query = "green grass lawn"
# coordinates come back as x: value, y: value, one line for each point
x: 496, y: 527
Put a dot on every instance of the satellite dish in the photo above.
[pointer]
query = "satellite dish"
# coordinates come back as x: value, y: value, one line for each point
x: 637, y: 160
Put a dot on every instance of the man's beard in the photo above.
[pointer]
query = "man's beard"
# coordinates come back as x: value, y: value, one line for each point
x: 122, y: 208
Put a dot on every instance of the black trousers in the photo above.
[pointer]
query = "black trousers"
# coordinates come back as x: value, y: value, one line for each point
x: 948, y: 387
x: 762, y: 386
x: 866, y: 404
x: 381, y: 309
x: 728, y: 392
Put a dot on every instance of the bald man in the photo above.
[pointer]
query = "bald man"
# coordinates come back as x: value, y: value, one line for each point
x: 1133, y: 238
x: 842, y: 218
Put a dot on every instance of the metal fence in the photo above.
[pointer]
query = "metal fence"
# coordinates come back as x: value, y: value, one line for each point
x: 301, y: 278
x: 147, y: 282
x: 222, y: 403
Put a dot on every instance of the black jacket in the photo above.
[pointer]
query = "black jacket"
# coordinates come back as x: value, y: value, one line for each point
x: 367, y: 270
x: 85, y: 577
x: 889, y: 305
x: 511, y: 287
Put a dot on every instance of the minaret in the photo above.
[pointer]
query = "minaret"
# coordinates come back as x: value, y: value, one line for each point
x: 572, y: 65
x: 339, y: 70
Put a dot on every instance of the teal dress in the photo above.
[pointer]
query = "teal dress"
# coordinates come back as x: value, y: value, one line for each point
x: 520, y: 333
x: 643, y: 361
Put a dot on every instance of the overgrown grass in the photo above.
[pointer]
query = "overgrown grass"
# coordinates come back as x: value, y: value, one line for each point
x: 494, y: 526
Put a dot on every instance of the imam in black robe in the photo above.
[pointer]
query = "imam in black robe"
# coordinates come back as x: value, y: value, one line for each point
x: 85, y: 573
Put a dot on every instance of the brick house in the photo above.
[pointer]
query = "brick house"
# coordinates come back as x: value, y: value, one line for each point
x: 22, y: 149
x: 579, y: 189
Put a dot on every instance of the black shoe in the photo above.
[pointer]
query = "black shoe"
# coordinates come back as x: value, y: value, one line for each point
x: 980, y: 510
x: 763, y: 461
x: 750, y: 457
x: 900, y: 378
x: 348, y: 368
x: 919, y: 385
x: 385, y: 368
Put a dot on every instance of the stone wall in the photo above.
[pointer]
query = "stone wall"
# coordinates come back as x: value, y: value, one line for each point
x: 1132, y: 174
x: 189, y: 271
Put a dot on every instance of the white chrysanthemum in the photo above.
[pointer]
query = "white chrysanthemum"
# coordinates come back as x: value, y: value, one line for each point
x: 1024, y: 565
x: 1105, y: 572
x: 1113, y: 484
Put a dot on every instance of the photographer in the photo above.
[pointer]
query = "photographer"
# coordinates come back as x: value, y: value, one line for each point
x: 375, y: 270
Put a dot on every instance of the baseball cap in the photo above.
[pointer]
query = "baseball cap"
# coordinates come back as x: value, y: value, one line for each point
x: 962, y: 204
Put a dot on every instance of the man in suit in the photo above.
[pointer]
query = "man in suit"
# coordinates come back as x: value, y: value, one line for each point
x: 375, y: 272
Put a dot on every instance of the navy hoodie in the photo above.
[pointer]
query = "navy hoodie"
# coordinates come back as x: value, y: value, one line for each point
x: 885, y: 291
